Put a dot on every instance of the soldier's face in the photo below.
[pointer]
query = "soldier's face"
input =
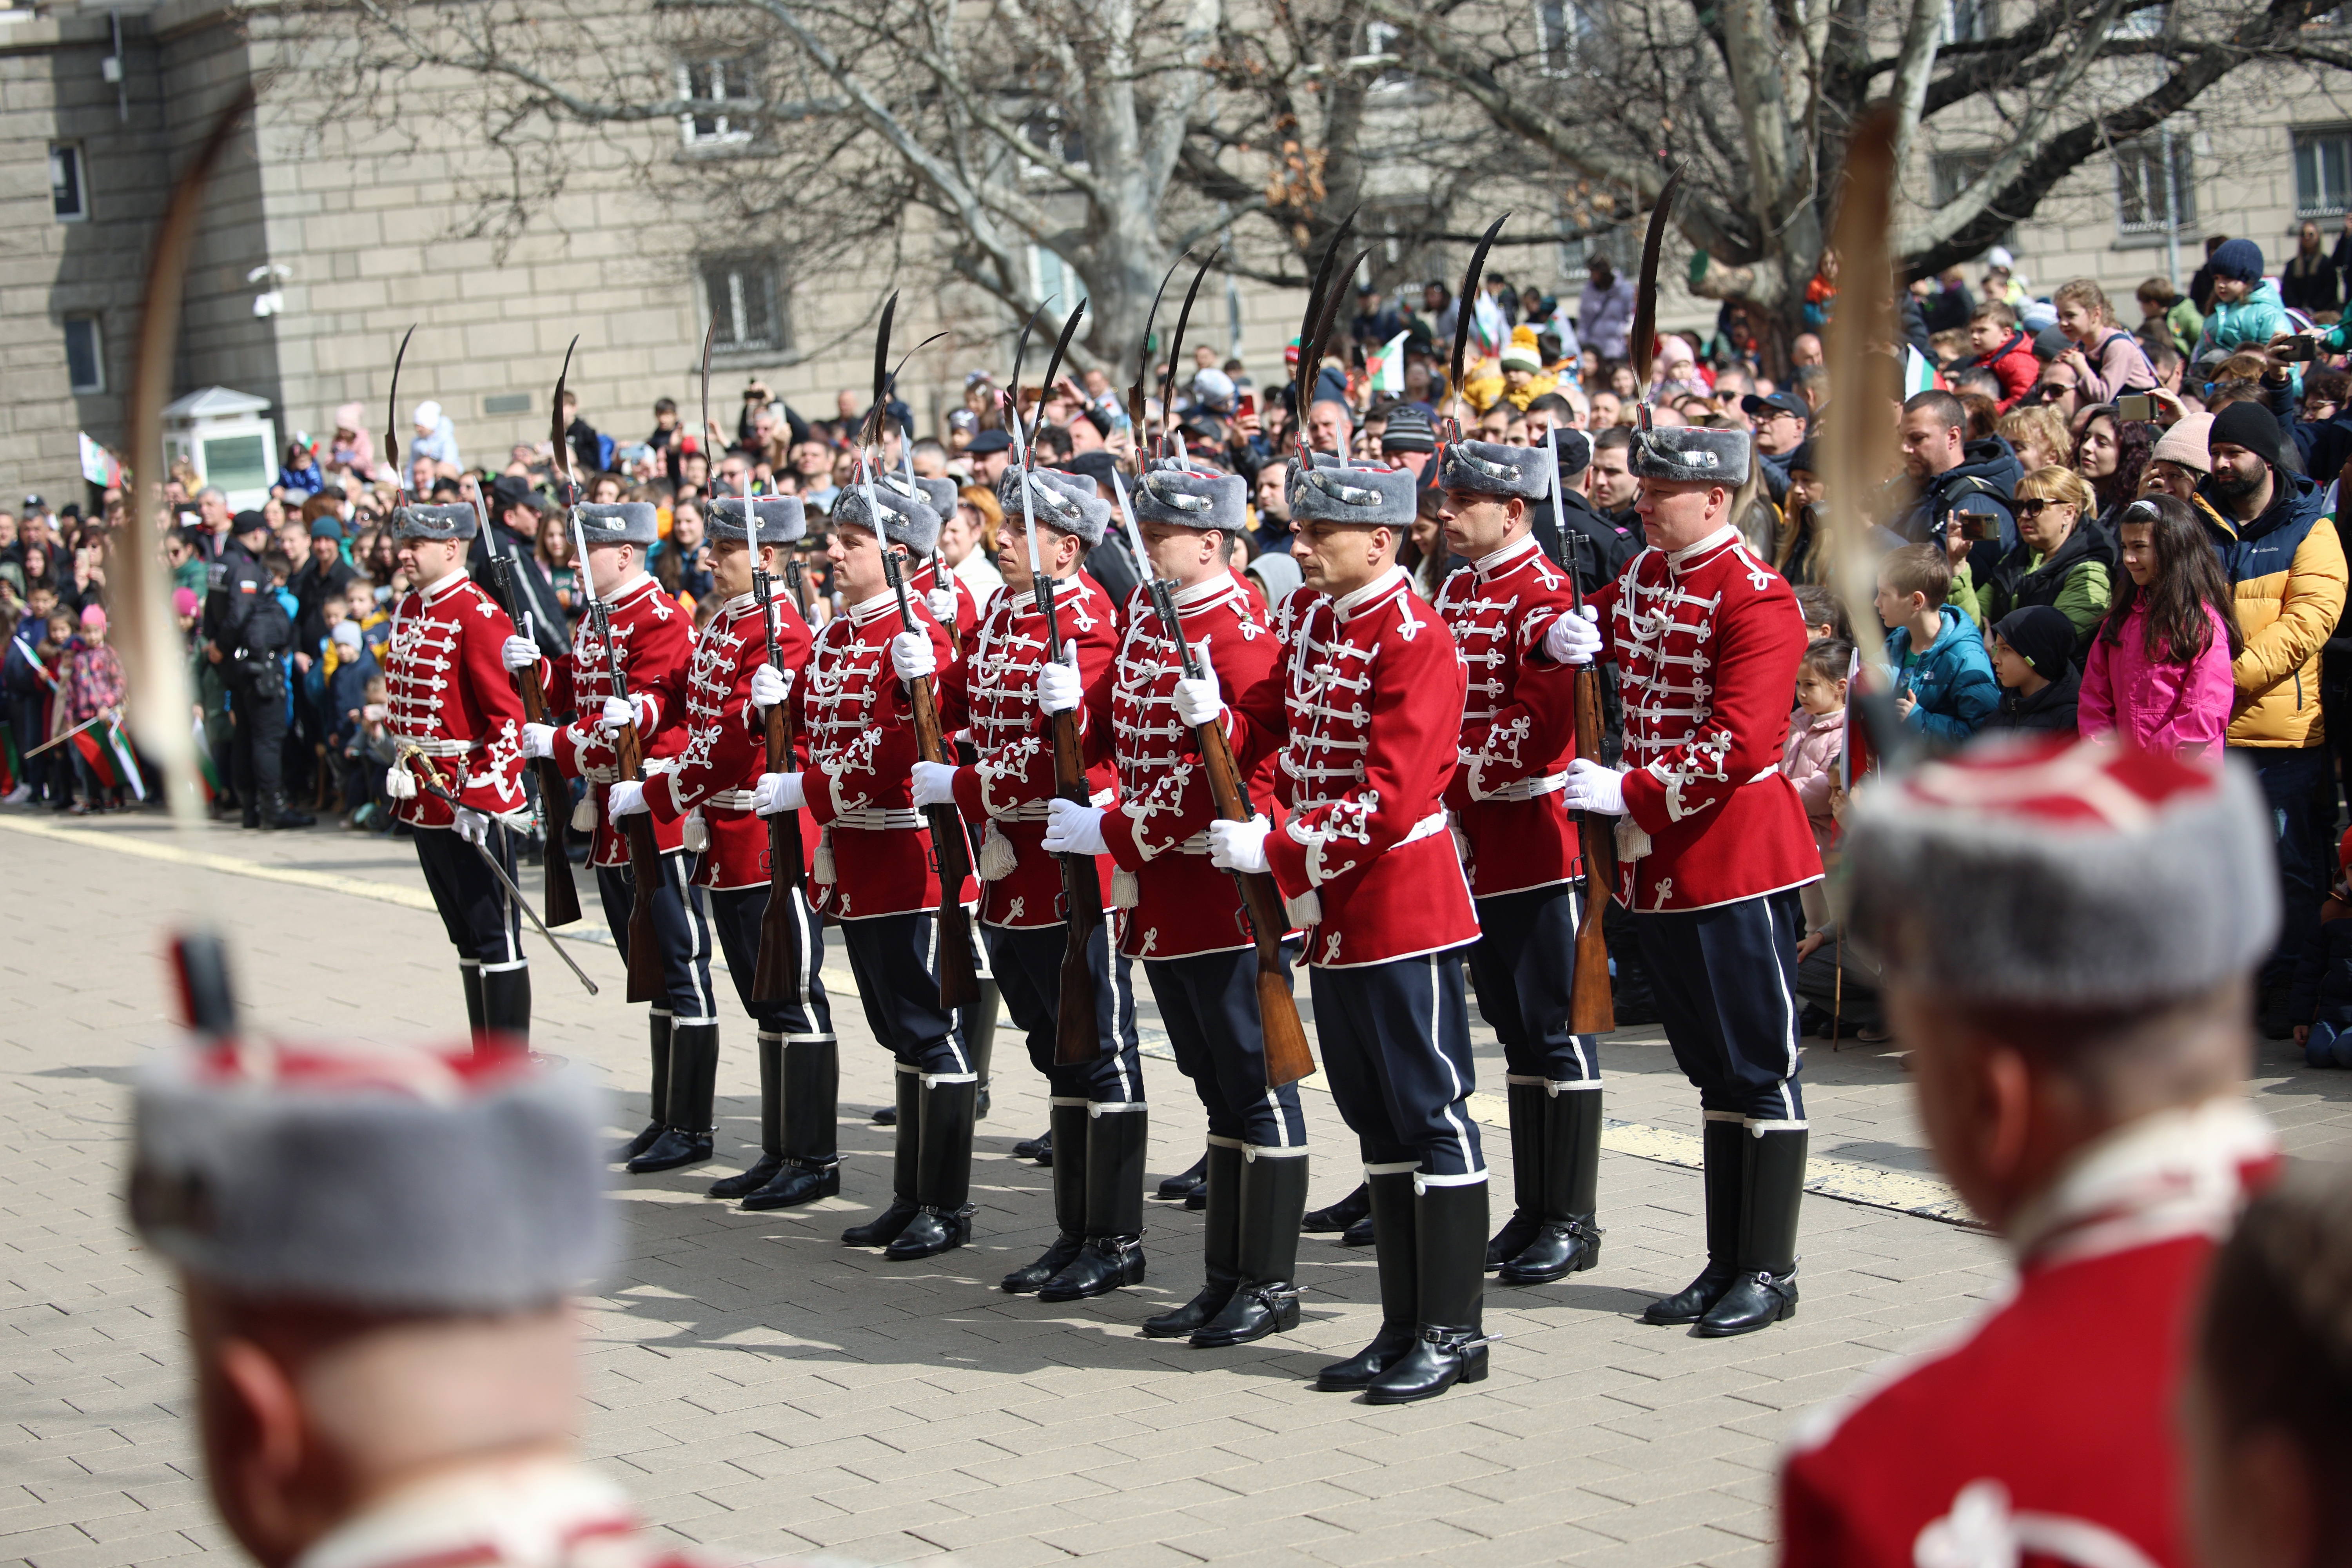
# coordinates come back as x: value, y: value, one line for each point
x: 1338, y: 558
x: 1184, y: 555
x: 427, y: 561
x: 730, y: 567
x: 1678, y: 513
x: 1479, y: 525
x: 856, y: 557
x: 610, y: 565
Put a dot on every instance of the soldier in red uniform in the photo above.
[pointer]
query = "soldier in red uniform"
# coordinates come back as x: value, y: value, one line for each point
x: 1007, y: 689
x: 1183, y: 916
x: 1706, y: 638
x: 1370, y: 698
x: 653, y: 637
x: 874, y: 870
x: 1518, y: 735
x: 710, y: 789
x: 454, y: 713
x: 2068, y: 934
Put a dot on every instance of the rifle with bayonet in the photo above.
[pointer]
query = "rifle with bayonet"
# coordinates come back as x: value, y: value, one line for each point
x: 777, y: 976
x: 554, y: 853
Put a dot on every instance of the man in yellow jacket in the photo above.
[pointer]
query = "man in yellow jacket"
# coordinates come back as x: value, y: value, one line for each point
x: 2286, y: 569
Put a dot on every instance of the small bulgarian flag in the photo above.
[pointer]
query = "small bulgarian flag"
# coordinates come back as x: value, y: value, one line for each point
x: 11, y: 764
x: 1918, y: 375
x: 108, y: 754
x: 208, y: 773
x: 1385, y: 366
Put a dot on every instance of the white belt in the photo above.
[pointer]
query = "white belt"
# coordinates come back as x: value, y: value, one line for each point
x: 1040, y: 810
x: 1526, y: 789
x: 730, y: 799
x: 877, y: 819
x: 442, y: 747
x: 1427, y: 828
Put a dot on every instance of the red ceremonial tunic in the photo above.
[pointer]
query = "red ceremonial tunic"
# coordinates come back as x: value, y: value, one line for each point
x: 1159, y: 831
x: 992, y: 693
x: 1708, y: 641
x: 2048, y: 1430
x: 858, y: 728
x: 656, y: 639
x: 726, y: 748
x: 1519, y: 729
x: 1372, y: 711
x: 447, y: 693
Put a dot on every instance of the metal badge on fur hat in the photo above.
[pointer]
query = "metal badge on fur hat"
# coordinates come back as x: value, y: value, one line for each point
x: 446, y: 522
x: 1705, y: 456
x: 781, y: 520
x: 1376, y: 497
x: 388, y: 1179
x: 1488, y: 468
x: 2071, y: 873
x: 1187, y: 497
x: 618, y: 523
x: 904, y: 518
x: 1060, y: 500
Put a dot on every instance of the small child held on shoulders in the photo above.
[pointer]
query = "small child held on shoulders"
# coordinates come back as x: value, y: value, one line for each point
x: 1816, y: 740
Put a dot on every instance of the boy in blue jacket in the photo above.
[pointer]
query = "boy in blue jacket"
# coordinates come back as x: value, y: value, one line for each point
x: 1944, y: 685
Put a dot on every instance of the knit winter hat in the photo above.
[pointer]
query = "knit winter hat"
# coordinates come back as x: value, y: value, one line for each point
x: 2185, y: 444
x: 2238, y: 258
x: 347, y: 634
x: 1520, y: 353
x: 2042, y: 637
x: 1407, y: 430
x: 2247, y: 425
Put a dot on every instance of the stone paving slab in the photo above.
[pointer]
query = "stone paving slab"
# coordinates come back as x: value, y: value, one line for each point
x: 768, y: 1394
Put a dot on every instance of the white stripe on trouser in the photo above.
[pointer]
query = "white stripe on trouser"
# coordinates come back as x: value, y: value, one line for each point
x: 1788, y: 1029
x: 963, y: 1073
x: 698, y: 953
x: 509, y: 918
x: 1461, y: 1133
x: 1281, y: 1122
x: 1128, y: 1089
x: 801, y: 935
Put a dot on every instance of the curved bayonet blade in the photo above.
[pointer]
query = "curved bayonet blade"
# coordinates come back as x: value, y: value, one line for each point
x: 1143, y: 357
x: 1061, y: 347
x: 1176, y: 344
x: 1643, y: 341
x: 1466, y: 314
x: 873, y: 427
x: 392, y: 415
x: 563, y: 448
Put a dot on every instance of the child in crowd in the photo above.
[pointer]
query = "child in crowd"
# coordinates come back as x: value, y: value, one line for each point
x: 1816, y: 738
x: 362, y: 609
x: 2033, y: 657
x: 2322, y: 995
x: 2003, y: 350
x: 92, y: 684
x: 2159, y: 671
x: 370, y: 752
x: 1824, y: 613
x: 1943, y: 680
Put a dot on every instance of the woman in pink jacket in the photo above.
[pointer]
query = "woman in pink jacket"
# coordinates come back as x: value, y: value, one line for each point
x: 2159, y: 671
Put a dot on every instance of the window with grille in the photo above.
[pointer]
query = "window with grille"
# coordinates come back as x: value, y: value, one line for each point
x: 69, y: 197
x: 1563, y: 27
x: 724, y: 83
x: 2322, y: 172
x: 2156, y: 185
x: 745, y: 298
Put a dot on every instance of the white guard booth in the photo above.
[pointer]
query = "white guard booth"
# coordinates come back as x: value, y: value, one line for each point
x: 224, y: 435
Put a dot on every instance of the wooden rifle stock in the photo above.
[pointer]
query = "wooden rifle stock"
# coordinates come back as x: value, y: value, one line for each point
x: 959, y: 969
x: 777, y: 975
x: 643, y: 942
x: 1591, y: 1007
x: 554, y: 794
x: 1077, y: 1039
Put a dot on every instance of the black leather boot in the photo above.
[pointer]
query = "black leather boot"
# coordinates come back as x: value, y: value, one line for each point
x: 1348, y: 1211
x: 657, y: 1029
x: 1766, y: 1289
x: 469, y: 976
x: 979, y: 1038
x: 693, y: 1097
x: 905, y: 1158
x: 1117, y: 1139
x: 1365, y: 1232
x: 1391, y: 1198
x: 1069, y: 1184
x: 1220, y: 1247
x: 943, y: 1181
x: 278, y: 812
x: 1185, y: 1182
x: 506, y: 1008
x: 1722, y: 1145
x: 1526, y: 1101
x: 1450, y: 1263
x: 1040, y: 1148
x: 812, y: 1165
x: 771, y: 1124
x: 1274, y: 1195
x: 1567, y: 1242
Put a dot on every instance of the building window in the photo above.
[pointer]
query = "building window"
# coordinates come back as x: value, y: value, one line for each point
x: 723, y: 82
x: 2322, y: 172
x: 85, y: 355
x: 1950, y: 174
x: 2156, y: 185
x: 1563, y: 29
x: 69, y: 197
x: 742, y: 295
x: 1967, y: 21
x: 1051, y: 277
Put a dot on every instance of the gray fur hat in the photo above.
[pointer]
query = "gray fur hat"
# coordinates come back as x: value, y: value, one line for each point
x: 1488, y: 468
x: 618, y: 523
x: 1375, y: 497
x: 1187, y: 497
x: 1690, y: 453
x: 906, y: 518
x: 782, y: 518
x: 387, y: 1179
x: 2067, y: 873
x: 446, y: 522
x: 1066, y: 501
x: 939, y: 494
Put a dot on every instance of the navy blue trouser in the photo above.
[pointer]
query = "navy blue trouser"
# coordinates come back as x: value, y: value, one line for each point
x: 1209, y: 1003
x: 895, y: 959
x: 739, y: 914
x: 682, y: 926
x: 1028, y: 965
x: 1726, y: 985
x: 477, y: 911
x: 1522, y: 965
x: 1396, y: 1049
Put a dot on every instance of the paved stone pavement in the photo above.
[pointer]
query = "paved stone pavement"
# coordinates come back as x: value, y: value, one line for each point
x: 768, y: 1394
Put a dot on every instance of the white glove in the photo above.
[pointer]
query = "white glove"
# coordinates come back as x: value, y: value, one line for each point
x: 1592, y: 787
x: 621, y: 711
x: 1574, y: 639
x: 942, y: 603
x: 1238, y: 846
x: 626, y: 797
x: 517, y: 653
x: 399, y: 784
x: 472, y: 826
x: 538, y: 740
x: 771, y: 686
x: 933, y: 783
x: 1059, y: 689
x: 911, y: 656
x: 1074, y: 829
x: 778, y: 793
x: 1199, y: 702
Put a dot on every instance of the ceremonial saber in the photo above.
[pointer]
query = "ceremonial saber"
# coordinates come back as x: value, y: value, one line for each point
x: 433, y: 786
